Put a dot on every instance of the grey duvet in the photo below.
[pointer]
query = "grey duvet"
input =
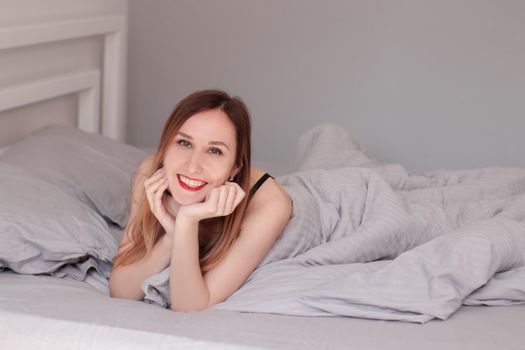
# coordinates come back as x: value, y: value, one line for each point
x: 372, y: 240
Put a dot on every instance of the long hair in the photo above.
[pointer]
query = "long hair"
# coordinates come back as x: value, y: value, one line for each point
x: 145, y: 230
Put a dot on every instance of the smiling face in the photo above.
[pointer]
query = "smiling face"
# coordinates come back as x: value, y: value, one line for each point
x: 201, y: 156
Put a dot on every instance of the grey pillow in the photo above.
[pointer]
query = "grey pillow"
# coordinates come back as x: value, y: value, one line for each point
x: 43, y: 229
x: 93, y: 168
x: 329, y: 146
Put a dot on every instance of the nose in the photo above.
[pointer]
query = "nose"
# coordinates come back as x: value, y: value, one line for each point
x: 193, y: 163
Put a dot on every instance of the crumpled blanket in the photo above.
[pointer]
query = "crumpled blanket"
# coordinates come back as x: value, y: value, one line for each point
x: 371, y: 240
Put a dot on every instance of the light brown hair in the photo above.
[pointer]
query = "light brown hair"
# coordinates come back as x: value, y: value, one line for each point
x: 145, y: 230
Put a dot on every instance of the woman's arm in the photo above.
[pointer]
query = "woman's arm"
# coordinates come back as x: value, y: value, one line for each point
x: 267, y: 215
x: 187, y: 288
x: 126, y: 280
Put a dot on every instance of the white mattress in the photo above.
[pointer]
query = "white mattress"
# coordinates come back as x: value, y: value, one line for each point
x: 42, y: 312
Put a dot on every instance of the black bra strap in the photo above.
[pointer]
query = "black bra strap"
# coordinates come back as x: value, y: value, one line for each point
x: 259, y: 184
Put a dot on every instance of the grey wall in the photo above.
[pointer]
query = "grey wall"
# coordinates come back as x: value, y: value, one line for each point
x: 428, y: 84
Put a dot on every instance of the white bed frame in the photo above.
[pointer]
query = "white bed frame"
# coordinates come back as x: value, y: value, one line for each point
x: 101, y: 92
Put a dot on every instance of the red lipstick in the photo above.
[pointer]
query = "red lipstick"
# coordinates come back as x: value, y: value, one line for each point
x: 188, y: 188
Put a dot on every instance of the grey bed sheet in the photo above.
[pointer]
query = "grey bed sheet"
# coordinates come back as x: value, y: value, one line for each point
x: 50, y: 313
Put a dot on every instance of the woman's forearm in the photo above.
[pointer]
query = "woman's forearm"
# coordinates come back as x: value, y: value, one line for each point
x: 187, y: 287
x: 126, y: 281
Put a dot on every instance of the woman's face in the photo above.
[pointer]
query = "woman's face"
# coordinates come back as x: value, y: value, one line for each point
x: 201, y: 156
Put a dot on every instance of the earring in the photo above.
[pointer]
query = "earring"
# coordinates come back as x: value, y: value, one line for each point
x: 231, y: 178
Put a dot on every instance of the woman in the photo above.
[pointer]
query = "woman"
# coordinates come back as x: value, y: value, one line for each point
x: 190, y: 209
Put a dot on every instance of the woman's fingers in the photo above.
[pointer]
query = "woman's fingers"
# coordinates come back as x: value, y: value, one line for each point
x: 213, y: 199
x: 159, y: 192
x: 155, y: 180
x: 221, y: 202
x: 230, y: 200
x: 155, y: 187
x: 155, y: 176
x: 232, y: 194
x: 239, y: 195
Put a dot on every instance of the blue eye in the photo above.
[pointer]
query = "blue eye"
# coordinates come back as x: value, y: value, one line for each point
x: 215, y: 151
x: 184, y: 143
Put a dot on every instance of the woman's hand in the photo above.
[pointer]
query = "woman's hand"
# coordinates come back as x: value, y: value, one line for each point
x: 219, y: 201
x: 155, y: 186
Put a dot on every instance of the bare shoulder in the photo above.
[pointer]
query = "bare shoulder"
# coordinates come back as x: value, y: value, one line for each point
x: 142, y: 172
x: 270, y: 198
x: 139, y: 176
x: 144, y: 167
x: 267, y: 215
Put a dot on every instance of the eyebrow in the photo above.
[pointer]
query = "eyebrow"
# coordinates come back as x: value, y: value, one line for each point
x: 215, y: 143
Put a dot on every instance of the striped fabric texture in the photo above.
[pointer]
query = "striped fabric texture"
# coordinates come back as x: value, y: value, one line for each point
x: 371, y: 240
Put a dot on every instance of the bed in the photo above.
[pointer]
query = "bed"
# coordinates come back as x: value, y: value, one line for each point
x: 56, y: 297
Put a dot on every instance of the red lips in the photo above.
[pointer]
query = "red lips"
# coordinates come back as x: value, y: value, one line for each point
x: 188, y: 188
